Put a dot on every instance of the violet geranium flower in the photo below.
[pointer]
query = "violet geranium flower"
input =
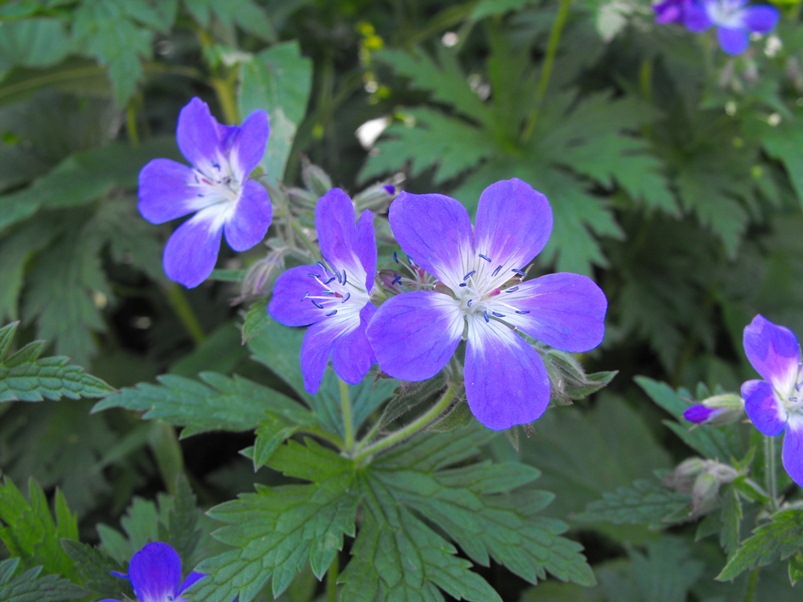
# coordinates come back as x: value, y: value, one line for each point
x: 155, y: 574
x: 481, y: 297
x: 332, y: 298
x: 215, y: 189
x: 775, y: 404
x: 734, y: 20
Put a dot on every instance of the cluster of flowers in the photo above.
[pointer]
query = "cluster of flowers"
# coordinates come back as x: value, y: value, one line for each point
x: 733, y: 19
x: 466, y: 284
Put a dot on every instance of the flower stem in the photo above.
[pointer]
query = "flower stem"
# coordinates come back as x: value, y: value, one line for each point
x: 546, y: 71
x: 177, y: 300
x: 348, y: 422
x: 411, y: 429
x: 331, y: 580
x: 770, y: 476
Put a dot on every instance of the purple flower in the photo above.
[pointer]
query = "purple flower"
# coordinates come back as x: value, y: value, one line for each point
x: 775, y: 404
x: 734, y: 20
x: 334, y: 298
x: 671, y: 11
x: 481, y: 297
x: 155, y: 574
x: 718, y: 409
x: 215, y: 188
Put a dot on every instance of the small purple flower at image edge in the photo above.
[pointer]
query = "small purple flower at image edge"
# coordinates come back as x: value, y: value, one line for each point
x: 775, y: 404
x: 734, y: 20
x: 215, y: 188
x: 482, y: 297
x: 155, y: 575
x: 333, y: 296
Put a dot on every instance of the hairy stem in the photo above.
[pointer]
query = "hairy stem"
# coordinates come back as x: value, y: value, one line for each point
x: 348, y: 422
x: 546, y: 70
x: 423, y: 421
x: 770, y: 476
x: 187, y: 317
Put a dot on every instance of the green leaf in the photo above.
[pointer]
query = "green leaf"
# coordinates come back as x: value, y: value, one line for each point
x: 398, y: 557
x: 277, y: 80
x: 28, y: 529
x: 95, y: 567
x: 38, y: 42
x: 181, y: 530
x: 784, y: 143
x: 643, y: 503
x: 217, y: 403
x: 276, y: 531
x: 140, y: 525
x: 245, y: 13
x: 82, y: 178
x: 773, y: 541
x: 666, y: 572
x: 24, y: 376
x: 120, y: 37
x: 30, y: 587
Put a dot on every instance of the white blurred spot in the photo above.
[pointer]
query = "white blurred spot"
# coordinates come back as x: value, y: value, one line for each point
x: 101, y: 301
x: 774, y: 119
x: 450, y: 39
x: 369, y: 131
x: 371, y: 86
x: 141, y: 322
x: 773, y: 46
x: 730, y: 108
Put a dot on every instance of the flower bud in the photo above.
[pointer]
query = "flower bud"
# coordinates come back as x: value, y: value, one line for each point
x: 719, y: 409
x: 315, y: 179
x: 375, y: 197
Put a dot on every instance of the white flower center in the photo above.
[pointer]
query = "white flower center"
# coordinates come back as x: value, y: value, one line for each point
x: 339, y: 292
x: 726, y: 13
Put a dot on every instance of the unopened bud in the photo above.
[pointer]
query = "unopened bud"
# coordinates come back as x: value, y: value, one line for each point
x: 375, y: 197
x: 702, y: 479
x: 716, y: 410
x: 261, y: 275
x: 315, y: 179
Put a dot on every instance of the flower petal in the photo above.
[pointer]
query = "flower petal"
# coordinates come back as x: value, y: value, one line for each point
x: 435, y: 230
x: 155, y: 572
x: 506, y: 380
x: 733, y: 41
x: 567, y: 311
x: 413, y: 335
x: 289, y: 304
x: 337, y: 229
x: 792, y: 454
x: 315, y: 351
x: 191, y: 251
x: 763, y: 408
x: 164, y: 193
x: 761, y: 19
x: 773, y: 351
x: 191, y: 579
x: 366, y: 247
x: 352, y: 355
x: 251, y: 218
x: 514, y: 222
x: 695, y: 17
x: 248, y: 143
x: 198, y: 135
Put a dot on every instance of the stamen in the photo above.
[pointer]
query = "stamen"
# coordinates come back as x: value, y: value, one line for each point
x: 329, y: 293
x: 339, y: 277
x: 512, y: 289
x: 518, y: 272
x: 462, y: 284
x: 344, y: 277
x: 331, y: 279
x: 316, y: 304
x: 469, y: 302
x: 395, y: 257
x: 331, y: 313
x: 304, y: 298
x: 485, y: 257
x: 496, y: 271
x: 323, y: 267
x: 396, y: 279
x: 798, y: 385
x: 313, y: 275
x: 497, y: 314
x: 346, y: 298
x: 216, y: 165
x: 521, y: 312
x: 469, y: 275
x: 410, y: 260
x: 485, y: 315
